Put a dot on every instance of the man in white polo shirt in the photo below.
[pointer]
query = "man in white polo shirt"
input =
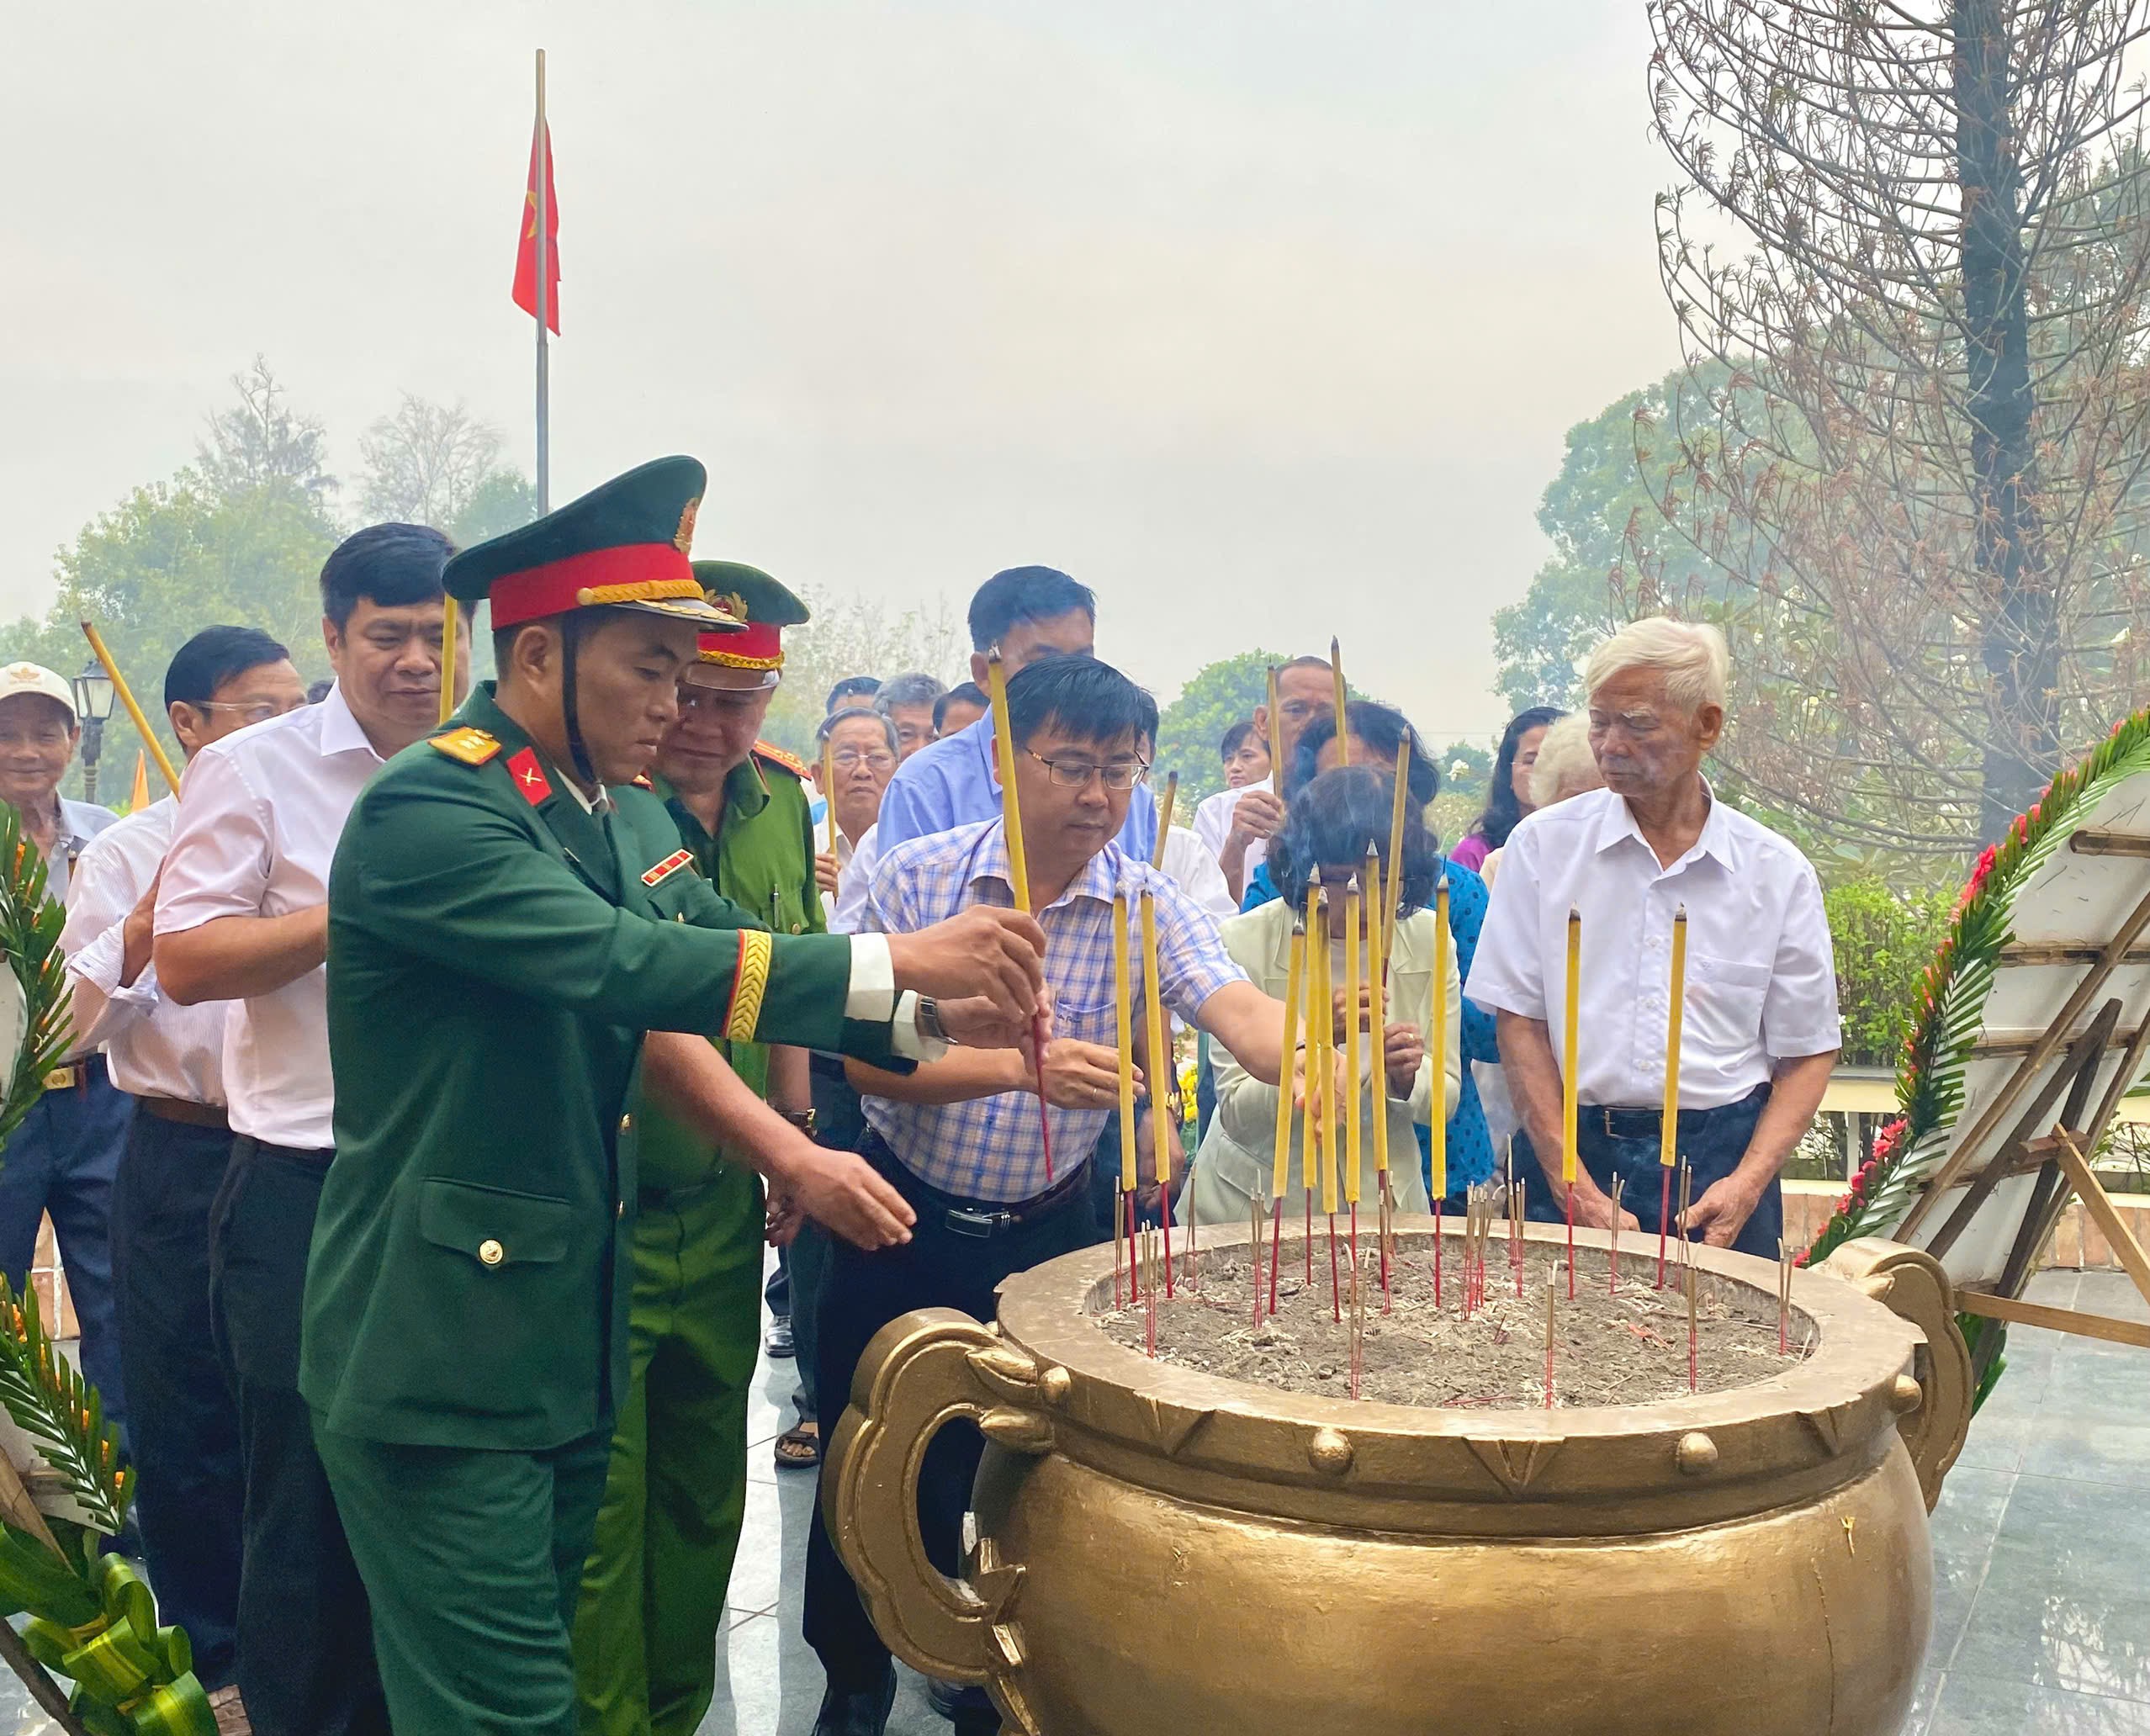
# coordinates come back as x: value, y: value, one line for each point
x: 1760, y: 1030
x: 1237, y: 824
x: 242, y: 916
x: 169, y: 1061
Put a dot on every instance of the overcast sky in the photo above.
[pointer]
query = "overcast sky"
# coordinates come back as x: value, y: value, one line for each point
x: 1264, y: 320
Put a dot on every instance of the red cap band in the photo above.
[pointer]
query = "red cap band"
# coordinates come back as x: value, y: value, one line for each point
x: 558, y: 586
x: 759, y: 645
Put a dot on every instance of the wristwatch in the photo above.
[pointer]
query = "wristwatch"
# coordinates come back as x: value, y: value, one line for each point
x: 803, y: 1119
x: 928, y: 1021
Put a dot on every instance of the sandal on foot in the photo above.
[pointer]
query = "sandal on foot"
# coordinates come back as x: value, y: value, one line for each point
x: 798, y: 1449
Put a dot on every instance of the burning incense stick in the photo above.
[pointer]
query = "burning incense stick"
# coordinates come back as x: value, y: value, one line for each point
x: 1123, y: 996
x: 828, y: 785
x: 1784, y: 1270
x: 1391, y: 907
x: 1280, y: 1170
x: 1165, y: 803
x: 1354, y: 985
x: 1552, y: 1293
x: 1570, y: 1113
x: 1018, y: 872
x: 1343, y: 722
x: 1694, y: 1359
x: 1438, y: 1131
x: 1612, y: 1260
x: 1159, y: 1070
x: 1254, y: 1254
x: 1668, y: 1133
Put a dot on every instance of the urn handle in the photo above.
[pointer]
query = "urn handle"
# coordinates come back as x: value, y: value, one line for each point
x: 1911, y: 1283
x: 928, y: 1368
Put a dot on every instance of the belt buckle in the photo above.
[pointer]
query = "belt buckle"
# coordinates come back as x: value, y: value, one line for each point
x: 61, y: 1078
x: 978, y: 1225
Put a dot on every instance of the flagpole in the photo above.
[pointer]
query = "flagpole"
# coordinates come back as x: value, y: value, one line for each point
x: 544, y: 297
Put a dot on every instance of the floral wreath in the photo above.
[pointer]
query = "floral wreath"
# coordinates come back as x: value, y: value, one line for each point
x: 92, y: 1618
x: 1952, y: 995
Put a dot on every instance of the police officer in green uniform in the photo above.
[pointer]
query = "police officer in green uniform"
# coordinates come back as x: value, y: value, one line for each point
x: 653, y: 1591
x: 517, y: 942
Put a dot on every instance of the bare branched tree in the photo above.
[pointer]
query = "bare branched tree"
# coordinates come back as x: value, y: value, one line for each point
x: 426, y: 463
x: 1913, y: 234
x: 261, y: 441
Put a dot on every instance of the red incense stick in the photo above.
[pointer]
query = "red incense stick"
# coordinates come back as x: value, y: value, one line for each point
x: 1336, y: 1284
x: 1437, y: 1253
x: 1134, y: 1285
x: 1276, y: 1241
x: 1571, y: 1244
x: 1663, y: 1217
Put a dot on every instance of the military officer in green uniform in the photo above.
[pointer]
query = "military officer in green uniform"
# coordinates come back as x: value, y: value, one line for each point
x: 517, y: 942
x: 652, y: 1592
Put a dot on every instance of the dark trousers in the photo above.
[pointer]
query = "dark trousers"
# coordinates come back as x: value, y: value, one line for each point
x: 62, y: 1160
x: 1626, y: 1143
x: 861, y: 1293
x: 186, y: 1422
x: 305, y: 1637
x: 839, y: 1125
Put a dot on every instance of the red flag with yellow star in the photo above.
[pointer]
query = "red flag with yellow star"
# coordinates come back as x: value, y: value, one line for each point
x: 526, y: 257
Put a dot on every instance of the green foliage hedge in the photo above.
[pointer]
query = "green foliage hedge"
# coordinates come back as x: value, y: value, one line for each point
x: 1884, y: 939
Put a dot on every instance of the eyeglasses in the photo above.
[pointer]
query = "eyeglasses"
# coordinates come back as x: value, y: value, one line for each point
x: 1075, y: 774
x: 259, y: 711
x: 851, y: 759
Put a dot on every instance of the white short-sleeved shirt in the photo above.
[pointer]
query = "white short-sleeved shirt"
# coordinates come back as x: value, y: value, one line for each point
x: 155, y: 1047
x: 1761, y: 975
x: 1213, y: 824
x: 260, y: 812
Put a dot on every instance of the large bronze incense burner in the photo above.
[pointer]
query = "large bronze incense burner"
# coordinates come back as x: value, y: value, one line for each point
x: 1163, y: 1551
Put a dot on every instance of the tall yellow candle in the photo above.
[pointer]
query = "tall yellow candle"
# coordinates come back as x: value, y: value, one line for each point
x: 1569, y: 1113
x: 1276, y: 739
x: 1011, y: 812
x: 1335, y: 675
x: 1123, y: 997
x: 1160, y: 1042
x: 1353, y: 981
x: 1165, y: 803
x: 448, y: 658
x: 1324, y: 1024
x: 1281, y: 1171
x: 1398, y: 797
x: 1438, y: 1181
x: 828, y: 789
x: 1309, y: 1032
x: 1668, y: 1150
x: 1377, y: 979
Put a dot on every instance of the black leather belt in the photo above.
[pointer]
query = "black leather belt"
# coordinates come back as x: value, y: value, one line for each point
x: 980, y: 1219
x: 1649, y: 1123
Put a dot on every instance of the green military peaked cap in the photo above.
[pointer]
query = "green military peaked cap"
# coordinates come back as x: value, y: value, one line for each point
x: 752, y: 657
x: 623, y: 546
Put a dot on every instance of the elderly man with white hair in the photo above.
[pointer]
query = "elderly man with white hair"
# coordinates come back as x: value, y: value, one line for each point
x: 1760, y: 1029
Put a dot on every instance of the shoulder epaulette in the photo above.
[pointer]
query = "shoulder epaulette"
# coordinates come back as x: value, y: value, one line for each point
x: 472, y: 747
x: 776, y: 756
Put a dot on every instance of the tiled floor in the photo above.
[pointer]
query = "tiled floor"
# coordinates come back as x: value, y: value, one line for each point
x: 2042, y: 1543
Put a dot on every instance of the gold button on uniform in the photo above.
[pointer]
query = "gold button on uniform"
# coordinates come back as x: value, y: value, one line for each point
x: 490, y: 1252
x: 627, y: 1124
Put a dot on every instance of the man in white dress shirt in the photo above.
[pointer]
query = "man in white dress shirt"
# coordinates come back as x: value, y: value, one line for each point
x: 241, y: 916
x: 1237, y: 824
x: 1760, y: 1029
x: 170, y: 1059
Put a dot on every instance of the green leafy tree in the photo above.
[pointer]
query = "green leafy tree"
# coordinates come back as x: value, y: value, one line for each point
x: 1220, y: 695
x: 1884, y: 939
x: 503, y: 501
x: 853, y: 634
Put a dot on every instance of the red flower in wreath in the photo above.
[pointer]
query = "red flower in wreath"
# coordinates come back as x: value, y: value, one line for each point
x: 1979, y: 870
x: 1885, y: 1143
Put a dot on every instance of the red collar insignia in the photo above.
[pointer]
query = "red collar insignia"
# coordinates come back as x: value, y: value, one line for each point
x: 530, y: 779
x: 671, y: 864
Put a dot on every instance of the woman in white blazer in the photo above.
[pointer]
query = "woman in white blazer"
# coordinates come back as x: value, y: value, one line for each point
x: 1330, y: 824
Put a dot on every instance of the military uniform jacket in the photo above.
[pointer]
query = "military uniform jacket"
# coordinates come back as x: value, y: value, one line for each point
x: 495, y: 954
x: 761, y: 860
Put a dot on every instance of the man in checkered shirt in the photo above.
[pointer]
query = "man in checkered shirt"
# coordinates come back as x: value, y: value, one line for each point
x: 960, y: 1138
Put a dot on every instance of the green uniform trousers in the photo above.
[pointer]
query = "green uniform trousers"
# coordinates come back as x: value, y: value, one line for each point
x: 653, y: 1591
x: 472, y: 1560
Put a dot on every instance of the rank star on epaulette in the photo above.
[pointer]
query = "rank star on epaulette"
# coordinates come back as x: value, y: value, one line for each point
x: 671, y: 864
x: 472, y: 747
x: 529, y: 776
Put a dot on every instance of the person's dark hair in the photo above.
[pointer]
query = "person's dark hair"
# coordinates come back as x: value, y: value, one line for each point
x: 1234, y: 739
x: 1381, y: 728
x: 1021, y: 594
x: 391, y: 565
x: 1503, y: 812
x: 904, y: 691
x: 965, y: 693
x: 320, y: 690
x: 859, y: 688
x: 1088, y: 700
x: 869, y: 712
x: 213, y: 657
x: 1333, y: 820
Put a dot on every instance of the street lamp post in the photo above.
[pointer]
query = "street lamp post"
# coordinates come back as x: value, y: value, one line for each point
x: 94, y: 700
